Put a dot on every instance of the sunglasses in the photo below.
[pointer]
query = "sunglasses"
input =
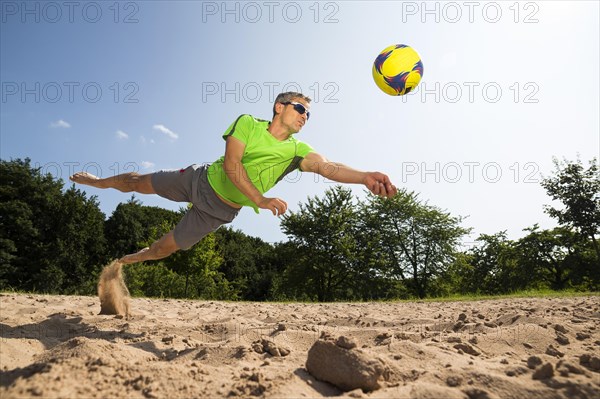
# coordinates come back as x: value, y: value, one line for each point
x: 299, y: 108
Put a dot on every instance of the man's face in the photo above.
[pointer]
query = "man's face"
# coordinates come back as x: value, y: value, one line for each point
x: 291, y: 115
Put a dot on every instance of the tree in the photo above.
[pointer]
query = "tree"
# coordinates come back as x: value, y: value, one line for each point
x: 557, y: 257
x: 200, y: 265
x: 579, y: 191
x: 192, y: 273
x: 458, y: 277
x: 28, y: 200
x: 79, y: 247
x: 323, y: 233
x: 131, y: 225
x: 417, y: 241
x: 50, y: 240
x: 495, y: 266
x: 17, y: 238
x: 248, y: 263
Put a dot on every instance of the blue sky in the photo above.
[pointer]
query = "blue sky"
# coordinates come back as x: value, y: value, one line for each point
x: 147, y: 85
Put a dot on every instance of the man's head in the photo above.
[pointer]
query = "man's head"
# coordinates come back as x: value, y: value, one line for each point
x: 288, y: 97
x: 293, y: 100
x: 292, y: 108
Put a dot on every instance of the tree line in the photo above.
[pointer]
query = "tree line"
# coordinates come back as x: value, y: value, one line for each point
x: 55, y: 239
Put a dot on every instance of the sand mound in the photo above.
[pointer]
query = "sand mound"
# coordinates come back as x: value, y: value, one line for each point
x: 113, y: 293
x: 340, y: 363
x: 59, y: 346
x: 88, y: 350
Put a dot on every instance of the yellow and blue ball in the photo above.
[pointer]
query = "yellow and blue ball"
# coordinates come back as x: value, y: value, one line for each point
x: 397, y: 70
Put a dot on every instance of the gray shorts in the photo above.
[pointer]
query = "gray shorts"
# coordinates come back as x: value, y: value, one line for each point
x: 208, y: 212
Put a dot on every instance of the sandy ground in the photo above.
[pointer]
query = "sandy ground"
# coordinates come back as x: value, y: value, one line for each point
x: 60, y: 347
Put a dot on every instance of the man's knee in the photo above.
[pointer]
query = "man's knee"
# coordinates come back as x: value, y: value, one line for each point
x: 135, y: 182
x: 166, y: 245
x: 145, y: 184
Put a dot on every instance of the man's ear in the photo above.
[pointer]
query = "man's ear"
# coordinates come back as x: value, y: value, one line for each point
x: 279, y: 108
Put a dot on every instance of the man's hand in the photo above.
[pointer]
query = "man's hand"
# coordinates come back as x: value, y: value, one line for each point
x: 379, y: 184
x: 275, y: 205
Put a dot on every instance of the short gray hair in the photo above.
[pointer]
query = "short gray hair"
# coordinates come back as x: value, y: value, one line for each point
x: 288, y: 96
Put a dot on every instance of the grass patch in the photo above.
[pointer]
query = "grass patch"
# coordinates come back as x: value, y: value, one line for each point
x: 542, y: 293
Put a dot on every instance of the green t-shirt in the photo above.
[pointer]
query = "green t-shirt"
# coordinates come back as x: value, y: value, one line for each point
x: 266, y: 159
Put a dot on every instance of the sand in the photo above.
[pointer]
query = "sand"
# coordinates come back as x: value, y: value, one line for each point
x: 112, y: 291
x: 61, y: 347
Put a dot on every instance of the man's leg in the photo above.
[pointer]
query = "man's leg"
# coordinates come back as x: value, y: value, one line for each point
x: 162, y: 248
x: 126, y: 182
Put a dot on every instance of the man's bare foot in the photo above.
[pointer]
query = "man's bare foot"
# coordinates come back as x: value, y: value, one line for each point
x: 86, y: 178
x: 136, y: 257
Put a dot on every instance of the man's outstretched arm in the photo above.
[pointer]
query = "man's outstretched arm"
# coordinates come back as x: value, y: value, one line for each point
x: 378, y: 183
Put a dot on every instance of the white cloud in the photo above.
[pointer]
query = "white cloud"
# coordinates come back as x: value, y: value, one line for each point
x: 147, y: 164
x: 163, y: 129
x: 60, y: 124
x: 144, y: 140
x: 121, y: 135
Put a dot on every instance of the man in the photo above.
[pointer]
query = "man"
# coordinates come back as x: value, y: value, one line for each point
x: 258, y: 154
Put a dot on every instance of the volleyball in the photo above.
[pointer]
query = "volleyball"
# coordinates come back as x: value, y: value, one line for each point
x: 397, y: 70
